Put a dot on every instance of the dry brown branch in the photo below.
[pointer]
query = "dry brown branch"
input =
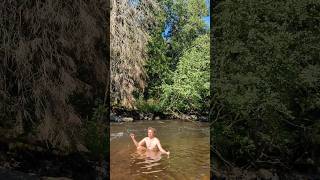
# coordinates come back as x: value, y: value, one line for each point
x: 129, y: 37
x: 50, y: 52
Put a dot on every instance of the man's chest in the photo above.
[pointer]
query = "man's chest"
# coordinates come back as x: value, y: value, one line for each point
x: 151, y: 143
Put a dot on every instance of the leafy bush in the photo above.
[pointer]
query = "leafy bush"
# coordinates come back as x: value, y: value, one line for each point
x: 149, y: 106
x: 183, y: 23
x: 190, y: 87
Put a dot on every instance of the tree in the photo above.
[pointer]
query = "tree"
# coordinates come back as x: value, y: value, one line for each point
x: 186, y: 26
x: 158, y: 63
x: 130, y: 22
x: 265, y: 95
x: 182, y: 23
x: 190, y: 88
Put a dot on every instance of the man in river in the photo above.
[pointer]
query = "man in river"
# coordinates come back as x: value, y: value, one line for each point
x: 152, y: 143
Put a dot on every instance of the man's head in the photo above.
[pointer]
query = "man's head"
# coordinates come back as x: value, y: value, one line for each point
x: 151, y: 132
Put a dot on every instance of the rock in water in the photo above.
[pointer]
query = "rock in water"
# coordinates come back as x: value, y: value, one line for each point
x: 127, y: 119
x: 193, y: 117
x: 203, y: 118
x: 114, y: 118
x: 141, y: 115
x: 82, y: 148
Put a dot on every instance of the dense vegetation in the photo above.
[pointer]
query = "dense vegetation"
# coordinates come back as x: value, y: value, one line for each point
x: 53, y: 68
x: 129, y: 21
x: 178, y: 59
x: 53, y: 77
x: 148, y: 64
x: 266, y: 81
x: 190, y: 87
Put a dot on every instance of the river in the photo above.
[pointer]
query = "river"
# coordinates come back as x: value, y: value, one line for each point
x: 188, y: 143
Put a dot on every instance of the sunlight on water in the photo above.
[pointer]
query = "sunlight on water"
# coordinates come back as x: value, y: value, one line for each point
x: 188, y: 143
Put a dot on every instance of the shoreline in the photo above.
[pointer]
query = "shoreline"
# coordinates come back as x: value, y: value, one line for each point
x: 124, y: 115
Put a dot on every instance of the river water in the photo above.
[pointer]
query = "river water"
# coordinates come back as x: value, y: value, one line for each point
x: 188, y: 143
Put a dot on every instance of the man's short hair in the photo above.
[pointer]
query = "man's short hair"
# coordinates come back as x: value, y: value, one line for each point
x: 152, y: 129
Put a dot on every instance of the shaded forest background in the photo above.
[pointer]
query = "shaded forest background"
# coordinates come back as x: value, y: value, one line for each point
x: 265, y: 108
x: 53, y: 69
x: 53, y: 86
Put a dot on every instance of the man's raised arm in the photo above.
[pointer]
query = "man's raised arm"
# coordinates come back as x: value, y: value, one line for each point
x: 142, y: 142
x: 135, y: 142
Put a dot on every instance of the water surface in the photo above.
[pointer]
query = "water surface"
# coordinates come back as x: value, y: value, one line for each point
x: 188, y: 143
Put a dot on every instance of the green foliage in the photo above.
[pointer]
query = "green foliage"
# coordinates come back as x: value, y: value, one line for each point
x: 97, y: 134
x: 190, y: 87
x: 185, y: 21
x: 97, y: 139
x: 158, y: 64
x: 187, y: 25
x: 100, y: 111
x: 266, y: 79
x: 149, y: 106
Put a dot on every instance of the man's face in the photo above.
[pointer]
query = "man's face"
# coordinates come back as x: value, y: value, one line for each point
x: 150, y: 133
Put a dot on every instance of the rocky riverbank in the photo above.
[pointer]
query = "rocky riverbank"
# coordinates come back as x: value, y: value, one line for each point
x: 264, y: 174
x: 123, y: 115
x: 33, y: 164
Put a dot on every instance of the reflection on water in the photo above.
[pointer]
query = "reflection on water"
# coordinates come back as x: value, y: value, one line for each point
x: 188, y: 143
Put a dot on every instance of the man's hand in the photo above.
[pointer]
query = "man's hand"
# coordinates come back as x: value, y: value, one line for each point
x: 168, y: 153
x: 132, y: 135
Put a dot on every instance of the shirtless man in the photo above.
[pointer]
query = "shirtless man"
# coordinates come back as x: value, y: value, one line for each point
x: 151, y: 142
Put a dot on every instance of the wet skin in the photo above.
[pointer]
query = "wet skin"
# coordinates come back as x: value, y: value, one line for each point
x: 153, y: 147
